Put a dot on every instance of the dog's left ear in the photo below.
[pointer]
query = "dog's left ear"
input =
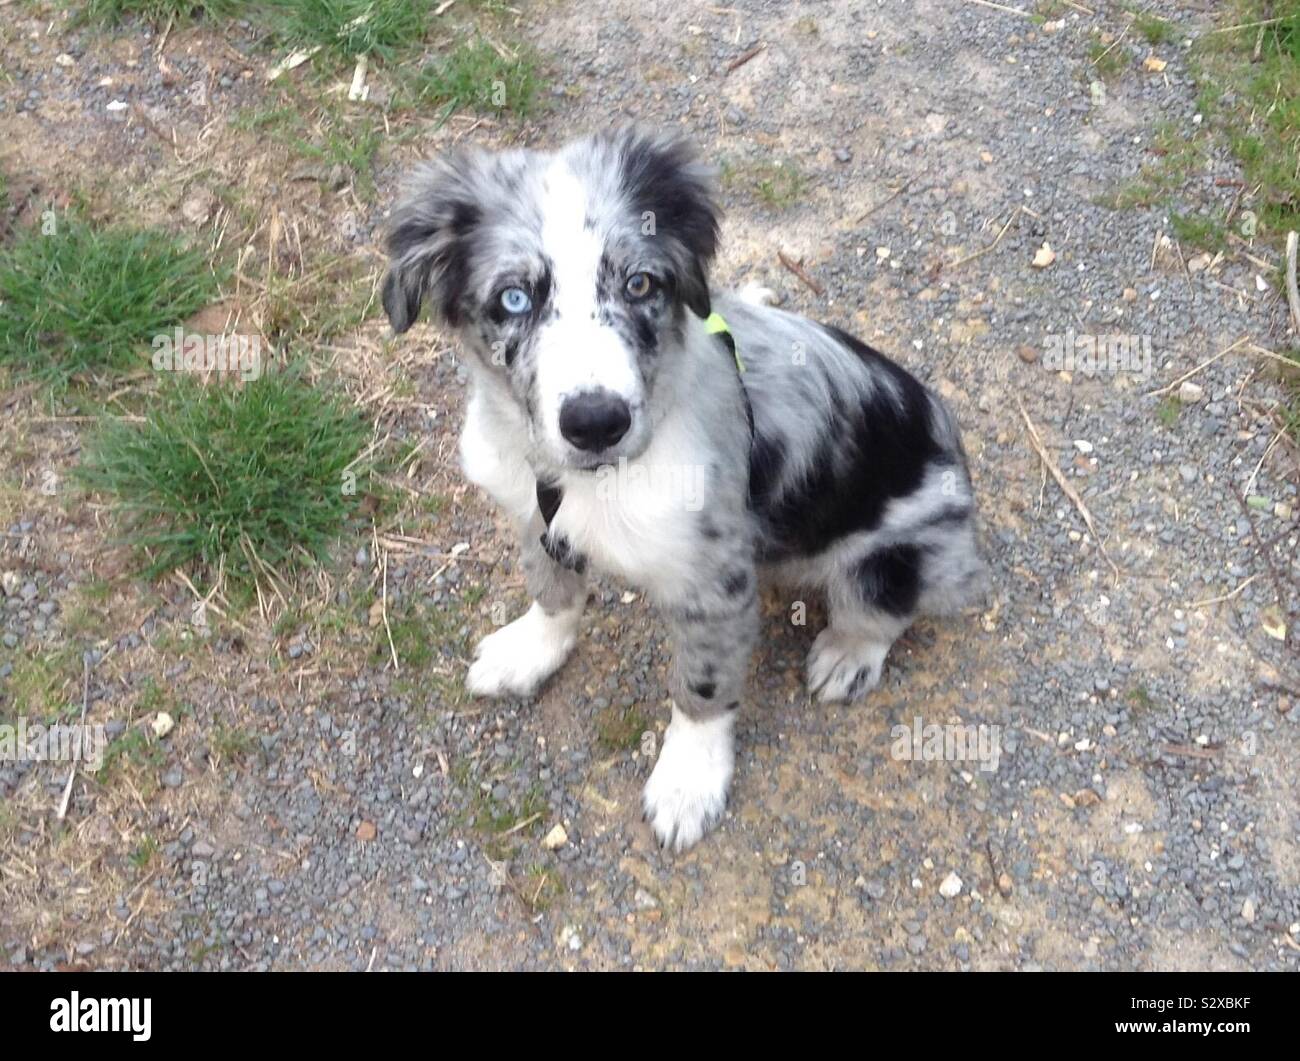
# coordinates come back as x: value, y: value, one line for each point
x: 673, y: 193
x: 427, y: 241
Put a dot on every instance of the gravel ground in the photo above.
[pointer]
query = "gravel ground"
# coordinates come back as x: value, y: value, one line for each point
x: 1144, y: 810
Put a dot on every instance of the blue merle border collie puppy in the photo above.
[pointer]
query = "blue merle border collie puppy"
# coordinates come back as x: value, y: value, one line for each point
x: 607, y: 378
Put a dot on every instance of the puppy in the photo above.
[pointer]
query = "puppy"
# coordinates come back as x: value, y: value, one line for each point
x: 631, y: 420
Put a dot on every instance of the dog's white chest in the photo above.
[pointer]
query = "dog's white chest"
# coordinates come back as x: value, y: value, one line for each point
x: 637, y: 520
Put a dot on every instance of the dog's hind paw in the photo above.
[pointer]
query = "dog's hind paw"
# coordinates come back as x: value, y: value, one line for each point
x: 687, y: 792
x: 516, y: 659
x: 844, y: 667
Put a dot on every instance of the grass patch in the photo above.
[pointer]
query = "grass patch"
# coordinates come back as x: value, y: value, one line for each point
x: 351, y: 146
x: 347, y: 29
x: 1197, y: 230
x: 1256, y: 103
x: 45, y: 687
x: 776, y: 185
x: 500, y: 824
x: 1153, y: 29
x: 135, y: 754
x: 159, y: 12
x: 1176, y: 159
x: 245, y: 477
x: 620, y: 729
x: 233, y: 745
x: 1168, y: 410
x: 417, y: 629
x: 1108, y: 61
x: 82, y: 299
x: 475, y: 75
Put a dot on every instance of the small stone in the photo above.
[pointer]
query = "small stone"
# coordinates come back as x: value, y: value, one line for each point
x: 555, y: 839
x: 1083, y: 445
x: 1248, y: 911
x: 1044, y: 256
x: 950, y: 888
x: 366, y: 831
x: 1190, y: 393
x: 163, y: 724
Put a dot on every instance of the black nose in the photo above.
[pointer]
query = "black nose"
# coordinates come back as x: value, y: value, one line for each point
x: 594, y: 420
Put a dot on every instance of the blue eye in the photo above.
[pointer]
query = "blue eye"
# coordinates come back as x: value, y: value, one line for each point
x: 515, y: 300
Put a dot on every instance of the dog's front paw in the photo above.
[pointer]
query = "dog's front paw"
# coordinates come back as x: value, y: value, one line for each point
x: 843, y: 666
x: 516, y: 659
x: 687, y: 792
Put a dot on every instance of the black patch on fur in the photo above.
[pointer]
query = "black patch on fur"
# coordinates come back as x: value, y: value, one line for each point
x: 705, y: 690
x: 664, y: 178
x: 559, y: 550
x: 735, y: 583
x: 890, y: 579
x: 426, y: 248
x: 870, y: 453
x: 549, y: 497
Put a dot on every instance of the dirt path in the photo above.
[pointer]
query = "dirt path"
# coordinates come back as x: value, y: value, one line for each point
x: 319, y: 810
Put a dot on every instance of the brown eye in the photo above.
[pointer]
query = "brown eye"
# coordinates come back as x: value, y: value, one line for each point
x: 639, y: 285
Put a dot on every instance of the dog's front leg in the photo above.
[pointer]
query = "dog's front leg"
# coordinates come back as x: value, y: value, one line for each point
x: 713, y: 633
x: 516, y: 659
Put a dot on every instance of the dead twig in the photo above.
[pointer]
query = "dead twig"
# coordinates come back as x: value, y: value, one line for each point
x: 1204, y: 364
x: 741, y: 60
x: 979, y: 253
x: 397, y: 667
x: 1190, y: 751
x: 1065, y: 485
x: 886, y: 201
x: 1002, y: 7
x: 1292, y: 291
x: 1224, y: 596
x: 798, y: 271
x: 81, y: 736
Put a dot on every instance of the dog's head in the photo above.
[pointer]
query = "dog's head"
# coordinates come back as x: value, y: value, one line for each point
x: 568, y: 276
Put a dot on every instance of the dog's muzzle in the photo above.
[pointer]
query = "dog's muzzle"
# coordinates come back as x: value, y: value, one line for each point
x: 594, y: 420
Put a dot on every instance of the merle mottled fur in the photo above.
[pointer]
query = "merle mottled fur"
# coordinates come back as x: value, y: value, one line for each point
x: 825, y: 464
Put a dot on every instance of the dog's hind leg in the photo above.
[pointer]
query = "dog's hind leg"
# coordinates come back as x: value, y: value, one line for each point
x: 870, y: 605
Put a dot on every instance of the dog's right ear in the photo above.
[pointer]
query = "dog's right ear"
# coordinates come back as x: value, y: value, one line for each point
x: 428, y: 241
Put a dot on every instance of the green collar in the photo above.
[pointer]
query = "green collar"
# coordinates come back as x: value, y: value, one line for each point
x: 714, y: 324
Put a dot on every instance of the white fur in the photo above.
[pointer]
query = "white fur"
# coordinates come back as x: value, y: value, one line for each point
x: 687, y: 792
x: 636, y: 520
x: 575, y: 351
x: 492, y: 456
x: 837, y: 658
x: 516, y: 659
